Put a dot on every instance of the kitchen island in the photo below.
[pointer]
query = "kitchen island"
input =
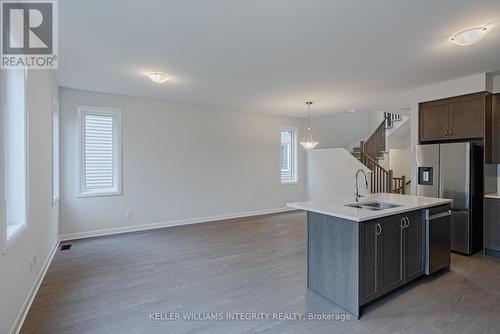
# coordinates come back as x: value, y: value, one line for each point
x: 492, y: 224
x: 358, y: 252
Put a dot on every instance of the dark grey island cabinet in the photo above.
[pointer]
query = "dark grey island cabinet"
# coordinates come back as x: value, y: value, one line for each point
x: 492, y: 226
x: 391, y: 253
x: 352, y: 263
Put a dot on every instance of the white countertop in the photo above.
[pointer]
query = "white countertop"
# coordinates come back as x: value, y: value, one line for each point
x: 495, y: 196
x: 337, y: 208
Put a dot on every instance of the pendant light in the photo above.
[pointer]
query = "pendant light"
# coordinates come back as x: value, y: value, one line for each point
x: 308, y: 143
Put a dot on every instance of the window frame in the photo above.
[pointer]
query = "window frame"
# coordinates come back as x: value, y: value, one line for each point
x: 83, y: 110
x: 295, y: 147
x: 9, y: 240
x: 56, y: 155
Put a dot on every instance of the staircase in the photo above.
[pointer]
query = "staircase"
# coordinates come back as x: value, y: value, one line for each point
x: 390, y: 118
x: 371, y: 151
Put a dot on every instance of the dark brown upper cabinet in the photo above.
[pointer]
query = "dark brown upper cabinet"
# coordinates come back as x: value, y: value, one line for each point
x: 461, y: 117
x: 467, y: 119
x: 493, y: 132
x: 434, y: 122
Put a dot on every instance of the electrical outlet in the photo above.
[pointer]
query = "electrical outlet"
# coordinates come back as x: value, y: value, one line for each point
x: 129, y: 213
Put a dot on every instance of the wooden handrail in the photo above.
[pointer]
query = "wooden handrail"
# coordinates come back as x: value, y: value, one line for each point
x: 370, y: 159
x: 375, y: 144
x: 381, y: 179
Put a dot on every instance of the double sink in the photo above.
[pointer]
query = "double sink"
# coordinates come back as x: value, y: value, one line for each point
x: 374, y: 206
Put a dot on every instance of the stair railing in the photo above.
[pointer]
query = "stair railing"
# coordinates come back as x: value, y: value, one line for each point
x: 382, y: 180
x: 400, y: 184
x: 375, y: 144
x: 390, y: 118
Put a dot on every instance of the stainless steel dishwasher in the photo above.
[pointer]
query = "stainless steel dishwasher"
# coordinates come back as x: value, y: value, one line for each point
x: 437, y: 235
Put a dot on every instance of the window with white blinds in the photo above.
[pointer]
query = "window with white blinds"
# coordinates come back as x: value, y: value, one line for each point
x: 99, y: 152
x: 288, y: 156
x: 15, y: 159
x: 56, y: 153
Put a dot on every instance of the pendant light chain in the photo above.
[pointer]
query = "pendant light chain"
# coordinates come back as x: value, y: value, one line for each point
x: 309, y: 117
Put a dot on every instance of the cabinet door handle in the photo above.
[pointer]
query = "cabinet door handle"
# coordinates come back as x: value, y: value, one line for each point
x: 450, y: 132
x: 407, y: 222
x: 402, y: 223
x: 446, y: 132
x: 378, y: 229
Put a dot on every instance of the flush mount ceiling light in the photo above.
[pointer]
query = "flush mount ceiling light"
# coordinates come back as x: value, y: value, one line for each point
x: 308, y: 142
x: 469, y: 36
x: 158, y: 77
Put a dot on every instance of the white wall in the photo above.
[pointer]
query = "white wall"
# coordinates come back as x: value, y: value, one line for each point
x: 466, y: 85
x: 16, y: 280
x: 398, y: 142
x: 330, y: 174
x: 400, y: 155
x: 343, y: 129
x: 400, y: 162
x: 495, y: 83
x: 180, y: 162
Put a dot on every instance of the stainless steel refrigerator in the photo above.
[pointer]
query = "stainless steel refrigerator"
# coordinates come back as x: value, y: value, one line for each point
x: 455, y: 171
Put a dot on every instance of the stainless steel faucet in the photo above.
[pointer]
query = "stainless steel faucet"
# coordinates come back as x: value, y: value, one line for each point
x: 356, y: 188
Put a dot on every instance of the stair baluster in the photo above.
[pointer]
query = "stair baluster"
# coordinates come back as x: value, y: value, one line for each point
x: 371, y: 151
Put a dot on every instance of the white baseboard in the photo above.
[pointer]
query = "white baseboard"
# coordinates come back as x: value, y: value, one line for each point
x: 16, y: 328
x: 179, y: 222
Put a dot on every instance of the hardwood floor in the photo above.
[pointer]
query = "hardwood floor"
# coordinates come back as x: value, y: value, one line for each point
x: 112, y: 284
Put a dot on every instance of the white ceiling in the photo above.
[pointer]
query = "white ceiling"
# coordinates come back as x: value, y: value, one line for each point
x: 272, y: 55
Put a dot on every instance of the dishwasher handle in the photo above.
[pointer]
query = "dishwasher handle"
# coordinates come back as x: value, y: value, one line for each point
x: 440, y: 215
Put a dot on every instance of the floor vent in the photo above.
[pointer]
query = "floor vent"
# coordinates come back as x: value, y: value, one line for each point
x: 66, y: 247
